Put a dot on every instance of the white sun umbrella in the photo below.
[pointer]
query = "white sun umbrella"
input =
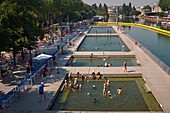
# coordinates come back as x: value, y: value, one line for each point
x: 42, y: 57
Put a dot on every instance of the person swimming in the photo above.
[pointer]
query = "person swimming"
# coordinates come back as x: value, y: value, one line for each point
x: 94, y: 100
x: 94, y: 86
x: 109, y: 94
x: 119, y: 91
x: 83, y: 49
x: 88, y: 94
x: 107, y: 83
x: 105, y: 64
x: 77, y: 87
x: 80, y: 87
x: 82, y: 78
x: 65, y: 85
x: 104, y: 92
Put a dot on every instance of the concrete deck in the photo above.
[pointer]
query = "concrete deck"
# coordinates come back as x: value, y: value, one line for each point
x: 157, y: 80
x: 102, y: 35
x: 105, y: 54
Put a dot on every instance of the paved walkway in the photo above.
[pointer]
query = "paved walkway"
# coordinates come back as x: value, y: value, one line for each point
x: 155, y: 77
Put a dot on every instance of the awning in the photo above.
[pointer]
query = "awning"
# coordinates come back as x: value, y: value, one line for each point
x: 42, y: 57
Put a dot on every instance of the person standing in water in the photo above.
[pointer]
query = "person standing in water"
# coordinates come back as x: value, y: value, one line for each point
x: 125, y: 66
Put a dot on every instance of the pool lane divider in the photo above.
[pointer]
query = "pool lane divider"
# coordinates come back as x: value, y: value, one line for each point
x: 158, y: 30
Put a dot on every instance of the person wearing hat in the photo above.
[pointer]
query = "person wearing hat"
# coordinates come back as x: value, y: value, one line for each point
x: 109, y: 94
x: 41, y: 91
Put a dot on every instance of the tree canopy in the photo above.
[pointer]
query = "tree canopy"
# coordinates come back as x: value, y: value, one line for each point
x: 164, y: 4
x: 21, y: 20
x: 129, y: 10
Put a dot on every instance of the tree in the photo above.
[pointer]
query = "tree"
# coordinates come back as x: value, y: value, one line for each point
x: 130, y: 6
x: 147, y: 7
x: 164, y: 4
x: 18, y: 20
x: 94, y: 6
x: 100, y: 6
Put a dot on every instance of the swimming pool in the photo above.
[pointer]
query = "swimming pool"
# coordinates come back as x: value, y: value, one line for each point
x: 133, y: 97
x: 101, y: 30
x: 94, y: 62
x: 102, y: 44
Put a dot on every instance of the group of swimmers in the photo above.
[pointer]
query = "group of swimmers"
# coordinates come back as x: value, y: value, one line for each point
x: 74, y: 86
x: 105, y: 92
x: 108, y: 93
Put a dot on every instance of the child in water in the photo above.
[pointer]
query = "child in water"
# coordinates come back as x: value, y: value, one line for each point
x: 109, y: 94
x: 119, y: 91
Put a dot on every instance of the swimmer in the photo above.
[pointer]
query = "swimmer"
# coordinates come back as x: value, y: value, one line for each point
x: 104, y: 87
x: 109, y: 65
x: 94, y: 86
x: 77, y: 87
x: 91, y: 55
x: 96, y: 47
x: 119, y: 91
x: 65, y: 85
x: 123, y: 48
x: 107, y: 83
x: 109, y: 94
x: 83, y: 49
x: 88, y: 94
x: 104, y: 92
x: 85, y: 78
x: 71, y: 86
x: 105, y: 64
x: 106, y: 80
x: 94, y: 100
x: 82, y: 78
x: 78, y: 74
x: 80, y: 87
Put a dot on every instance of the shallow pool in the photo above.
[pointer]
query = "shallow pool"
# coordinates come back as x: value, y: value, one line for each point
x: 133, y: 97
x: 101, y: 30
x: 94, y: 62
x: 102, y: 44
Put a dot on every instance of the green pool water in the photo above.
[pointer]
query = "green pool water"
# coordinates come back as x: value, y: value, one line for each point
x: 94, y: 62
x: 102, y: 44
x: 133, y: 98
x: 100, y: 30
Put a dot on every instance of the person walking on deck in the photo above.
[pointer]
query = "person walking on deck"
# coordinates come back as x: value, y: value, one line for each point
x: 41, y: 91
